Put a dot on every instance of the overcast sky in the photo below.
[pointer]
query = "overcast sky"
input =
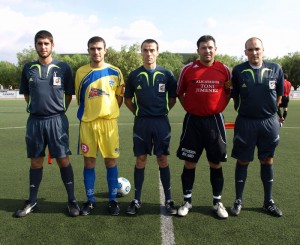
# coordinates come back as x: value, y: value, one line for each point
x: 176, y: 25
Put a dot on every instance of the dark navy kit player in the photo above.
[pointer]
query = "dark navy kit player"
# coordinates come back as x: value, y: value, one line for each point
x: 150, y: 93
x: 257, y: 91
x: 48, y: 86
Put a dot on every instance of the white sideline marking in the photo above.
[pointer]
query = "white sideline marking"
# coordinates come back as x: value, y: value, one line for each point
x: 124, y: 124
x: 76, y: 124
x: 166, y: 221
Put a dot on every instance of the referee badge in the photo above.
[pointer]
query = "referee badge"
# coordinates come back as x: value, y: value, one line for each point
x: 272, y: 84
x: 161, y: 88
x: 56, y: 80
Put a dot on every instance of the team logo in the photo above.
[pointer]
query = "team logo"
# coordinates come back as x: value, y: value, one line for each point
x: 111, y: 83
x: 95, y: 92
x: 161, y: 88
x: 84, y: 148
x: 272, y: 84
x: 89, y: 192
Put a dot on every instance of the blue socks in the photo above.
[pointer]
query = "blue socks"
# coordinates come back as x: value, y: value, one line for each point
x: 112, y: 181
x: 89, y: 183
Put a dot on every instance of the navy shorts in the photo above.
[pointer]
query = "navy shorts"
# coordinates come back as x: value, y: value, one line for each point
x: 248, y: 133
x: 284, y: 102
x: 151, y: 134
x: 200, y: 133
x: 52, y: 132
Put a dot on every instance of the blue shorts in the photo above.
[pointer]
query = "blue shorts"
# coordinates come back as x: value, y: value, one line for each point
x: 151, y: 133
x: 248, y: 133
x: 199, y: 133
x: 52, y: 132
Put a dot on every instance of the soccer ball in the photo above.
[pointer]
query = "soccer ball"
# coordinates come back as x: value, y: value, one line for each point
x: 124, y: 187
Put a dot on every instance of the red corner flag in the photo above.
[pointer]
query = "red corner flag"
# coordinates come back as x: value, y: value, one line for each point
x: 49, y: 158
x: 229, y: 125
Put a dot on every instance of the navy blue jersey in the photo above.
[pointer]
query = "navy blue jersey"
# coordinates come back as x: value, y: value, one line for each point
x: 47, y: 85
x: 255, y: 91
x: 151, y: 90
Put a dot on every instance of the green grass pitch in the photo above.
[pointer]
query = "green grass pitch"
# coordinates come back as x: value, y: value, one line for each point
x: 51, y: 224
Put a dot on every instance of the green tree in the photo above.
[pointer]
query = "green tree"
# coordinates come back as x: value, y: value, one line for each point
x: 230, y: 61
x: 127, y: 60
x: 188, y: 58
x: 75, y: 61
x: 9, y: 75
x: 27, y: 55
x: 291, y: 65
x: 171, y: 61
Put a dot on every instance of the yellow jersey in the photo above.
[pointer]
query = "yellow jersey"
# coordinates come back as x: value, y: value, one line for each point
x: 96, y: 90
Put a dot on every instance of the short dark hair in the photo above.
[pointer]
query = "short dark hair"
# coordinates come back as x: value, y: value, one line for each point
x: 96, y: 39
x: 286, y: 76
x: 43, y: 34
x: 149, y: 40
x: 205, y: 38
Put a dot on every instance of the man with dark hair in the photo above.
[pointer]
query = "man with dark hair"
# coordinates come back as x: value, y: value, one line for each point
x: 257, y: 90
x: 48, y: 86
x: 204, y: 92
x: 99, y: 91
x: 150, y: 94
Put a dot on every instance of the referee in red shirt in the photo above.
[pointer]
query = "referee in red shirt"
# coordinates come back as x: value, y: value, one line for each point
x: 203, y: 91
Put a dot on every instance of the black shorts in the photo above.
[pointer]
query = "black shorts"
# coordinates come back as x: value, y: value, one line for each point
x: 284, y: 102
x: 151, y: 134
x: 248, y: 133
x: 200, y: 133
x: 52, y: 132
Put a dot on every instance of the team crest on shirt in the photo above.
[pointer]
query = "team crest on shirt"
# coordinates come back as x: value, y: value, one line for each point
x: 272, y: 84
x: 96, y: 92
x: 161, y: 88
x: 111, y: 83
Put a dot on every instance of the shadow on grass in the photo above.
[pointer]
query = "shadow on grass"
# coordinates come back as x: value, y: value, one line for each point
x: 50, y: 207
x: 208, y: 211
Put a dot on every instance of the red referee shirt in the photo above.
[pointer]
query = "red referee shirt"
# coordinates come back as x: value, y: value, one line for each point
x: 205, y: 88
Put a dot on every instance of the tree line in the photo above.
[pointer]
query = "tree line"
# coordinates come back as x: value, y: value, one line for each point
x: 129, y: 58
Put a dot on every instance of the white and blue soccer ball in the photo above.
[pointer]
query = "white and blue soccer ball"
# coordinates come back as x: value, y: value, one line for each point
x: 124, y: 187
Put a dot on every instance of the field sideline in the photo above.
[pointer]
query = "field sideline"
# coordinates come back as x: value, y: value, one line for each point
x: 51, y: 225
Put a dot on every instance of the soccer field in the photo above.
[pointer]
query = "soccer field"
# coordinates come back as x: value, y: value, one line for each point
x: 50, y: 224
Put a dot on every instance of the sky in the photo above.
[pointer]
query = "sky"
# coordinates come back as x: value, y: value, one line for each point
x: 175, y: 24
